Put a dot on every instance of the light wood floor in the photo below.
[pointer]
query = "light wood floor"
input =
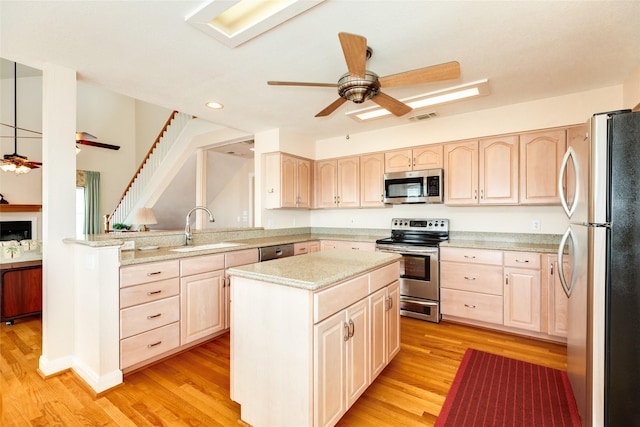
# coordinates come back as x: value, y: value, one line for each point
x: 192, y: 389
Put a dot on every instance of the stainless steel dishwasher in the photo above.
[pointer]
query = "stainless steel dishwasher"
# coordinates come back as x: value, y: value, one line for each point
x: 276, y: 251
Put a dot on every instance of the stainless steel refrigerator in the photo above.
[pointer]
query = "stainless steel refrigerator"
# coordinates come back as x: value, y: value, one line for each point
x: 599, y: 263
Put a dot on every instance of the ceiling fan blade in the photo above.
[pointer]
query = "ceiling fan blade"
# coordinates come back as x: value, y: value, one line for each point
x: 85, y: 135
x: 97, y: 144
x: 391, y: 104
x: 331, y: 108
x: 354, y: 48
x: 276, y: 83
x: 434, y: 73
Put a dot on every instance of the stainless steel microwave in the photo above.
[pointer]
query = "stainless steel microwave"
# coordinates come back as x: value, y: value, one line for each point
x: 422, y: 186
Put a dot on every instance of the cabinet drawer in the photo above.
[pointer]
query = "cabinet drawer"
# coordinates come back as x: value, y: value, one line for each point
x: 331, y: 300
x: 148, y: 292
x: 151, y: 272
x: 522, y: 259
x: 144, y: 346
x: 471, y: 305
x: 201, y: 264
x: 476, y: 256
x: 141, y: 318
x: 244, y: 257
x: 383, y: 276
x: 486, y: 279
x: 301, y: 248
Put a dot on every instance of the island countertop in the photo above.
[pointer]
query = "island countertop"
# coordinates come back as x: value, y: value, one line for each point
x: 317, y: 270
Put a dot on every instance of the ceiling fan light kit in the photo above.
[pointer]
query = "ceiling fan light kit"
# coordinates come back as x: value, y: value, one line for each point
x: 359, y: 84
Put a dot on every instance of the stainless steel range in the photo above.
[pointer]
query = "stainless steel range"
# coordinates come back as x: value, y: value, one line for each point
x: 417, y: 240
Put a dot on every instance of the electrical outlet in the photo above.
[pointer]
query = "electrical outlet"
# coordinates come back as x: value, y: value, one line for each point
x: 535, y: 225
x: 353, y: 220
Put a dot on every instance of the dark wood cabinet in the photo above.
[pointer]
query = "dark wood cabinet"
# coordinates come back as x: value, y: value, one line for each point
x: 20, y: 292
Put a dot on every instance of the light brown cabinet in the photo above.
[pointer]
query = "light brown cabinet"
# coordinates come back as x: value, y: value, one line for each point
x: 372, y: 180
x: 235, y: 259
x: 541, y: 155
x: 384, y: 309
x: 338, y: 183
x: 345, y: 244
x: 557, y: 301
x: 418, y: 158
x: 288, y: 181
x: 522, y: 290
x: 482, y: 172
x: 202, y: 294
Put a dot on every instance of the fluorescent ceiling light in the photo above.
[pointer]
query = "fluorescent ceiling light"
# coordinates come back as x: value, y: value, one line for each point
x: 465, y: 91
x: 234, y: 22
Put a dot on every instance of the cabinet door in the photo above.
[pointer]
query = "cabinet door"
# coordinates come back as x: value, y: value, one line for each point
x: 202, y: 302
x: 348, y: 181
x: 427, y: 157
x: 393, y: 319
x: 522, y: 298
x: 357, y: 351
x: 372, y: 180
x: 21, y: 292
x: 288, y: 171
x: 557, y: 301
x: 330, y: 338
x: 461, y: 173
x: 540, y: 158
x: 326, y: 175
x: 303, y: 177
x: 378, y: 312
x: 498, y: 170
x: 398, y: 160
x: 314, y: 246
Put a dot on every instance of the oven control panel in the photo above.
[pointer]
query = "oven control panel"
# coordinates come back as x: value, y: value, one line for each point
x: 420, y: 224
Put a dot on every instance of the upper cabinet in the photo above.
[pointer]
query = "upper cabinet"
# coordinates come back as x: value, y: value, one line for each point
x: 540, y: 159
x: 461, y: 173
x: 288, y: 181
x: 482, y: 172
x: 371, y: 180
x: 418, y: 158
x: 338, y: 183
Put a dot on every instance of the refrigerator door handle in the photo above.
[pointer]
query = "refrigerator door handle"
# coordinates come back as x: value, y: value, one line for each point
x: 567, y: 287
x: 569, y: 155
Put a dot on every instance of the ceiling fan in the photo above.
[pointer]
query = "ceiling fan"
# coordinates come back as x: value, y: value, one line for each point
x: 85, y: 138
x: 360, y: 84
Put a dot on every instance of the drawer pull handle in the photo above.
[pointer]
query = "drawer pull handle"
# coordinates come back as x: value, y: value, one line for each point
x: 153, y: 292
x: 469, y: 278
x: 154, y: 273
x: 154, y: 316
x: 352, y: 328
x: 154, y: 344
x: 470, y: 256
x: 522, y: 261
x: 470, y: 306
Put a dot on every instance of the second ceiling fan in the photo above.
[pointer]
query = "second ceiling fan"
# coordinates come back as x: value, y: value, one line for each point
x: 360, y: 84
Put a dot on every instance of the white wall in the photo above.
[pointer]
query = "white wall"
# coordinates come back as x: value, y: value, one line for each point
x: 230, y: 190
x: 552, y: 112
x: 631, y: 94
x: 149, y: 121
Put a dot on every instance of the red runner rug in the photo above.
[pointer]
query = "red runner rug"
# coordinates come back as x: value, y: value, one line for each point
x: 492, y: 390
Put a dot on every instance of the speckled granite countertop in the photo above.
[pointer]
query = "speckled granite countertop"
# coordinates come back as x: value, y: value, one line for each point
x: 543, y: 243
x: 317, y: 270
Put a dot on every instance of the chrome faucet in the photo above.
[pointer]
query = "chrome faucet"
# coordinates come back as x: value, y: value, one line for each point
x: 187, y: 228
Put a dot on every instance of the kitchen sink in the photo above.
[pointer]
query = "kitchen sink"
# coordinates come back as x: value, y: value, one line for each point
x: 205, y: 247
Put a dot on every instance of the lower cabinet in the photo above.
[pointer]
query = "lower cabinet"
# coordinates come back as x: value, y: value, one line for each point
x: 20, y: 292
x: 384, y: 309
x: 344, y: 244
x: 342, y: 368
x: 522, y: 290
x: 557, y: 301
x: 202, y: 305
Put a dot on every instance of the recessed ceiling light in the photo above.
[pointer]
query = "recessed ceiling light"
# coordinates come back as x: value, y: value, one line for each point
x: 465, y: 91
x: 214, y: 105
x: 234, y: 22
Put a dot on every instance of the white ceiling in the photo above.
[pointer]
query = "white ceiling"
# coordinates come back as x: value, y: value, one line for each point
x: 146, y: 50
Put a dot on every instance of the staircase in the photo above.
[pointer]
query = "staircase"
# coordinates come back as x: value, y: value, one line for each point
x: 132, y: 195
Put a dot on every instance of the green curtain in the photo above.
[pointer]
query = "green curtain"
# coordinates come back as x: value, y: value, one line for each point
x: 92, y: 203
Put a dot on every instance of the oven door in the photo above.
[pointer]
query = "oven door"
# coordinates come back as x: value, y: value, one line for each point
x: 419, y: 273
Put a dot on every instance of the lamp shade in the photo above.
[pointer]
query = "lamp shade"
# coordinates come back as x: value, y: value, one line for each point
x: 144, y: 217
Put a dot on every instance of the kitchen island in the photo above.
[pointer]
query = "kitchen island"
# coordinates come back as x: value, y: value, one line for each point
x: 310, y: 333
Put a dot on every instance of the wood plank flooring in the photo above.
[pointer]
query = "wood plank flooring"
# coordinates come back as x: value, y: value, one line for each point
x: 192, y: 388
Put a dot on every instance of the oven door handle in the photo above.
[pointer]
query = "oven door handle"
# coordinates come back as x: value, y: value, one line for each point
x: 407, y: 250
